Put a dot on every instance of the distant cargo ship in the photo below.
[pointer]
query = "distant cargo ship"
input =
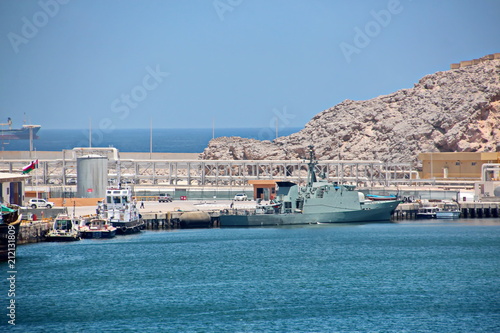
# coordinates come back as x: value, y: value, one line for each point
x: 22, y: 133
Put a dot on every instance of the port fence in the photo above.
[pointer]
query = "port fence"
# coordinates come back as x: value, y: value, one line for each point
x: 176, y: 194
x: 193, y: 194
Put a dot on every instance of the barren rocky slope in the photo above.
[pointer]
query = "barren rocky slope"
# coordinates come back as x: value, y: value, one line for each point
x: 454, y: 110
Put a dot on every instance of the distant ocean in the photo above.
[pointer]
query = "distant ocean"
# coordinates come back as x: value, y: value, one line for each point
x: 165, y: 140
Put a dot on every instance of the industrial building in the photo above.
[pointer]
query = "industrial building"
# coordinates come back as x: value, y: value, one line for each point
x: 12, y: 188
x: 457, y: 165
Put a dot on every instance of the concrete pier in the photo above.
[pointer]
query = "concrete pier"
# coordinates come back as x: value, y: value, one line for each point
x: 406, y: 211
x: 480, y: 209
x: 33, y: 232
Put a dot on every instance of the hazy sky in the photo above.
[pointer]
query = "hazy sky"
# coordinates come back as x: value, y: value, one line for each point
x: 239, y: 63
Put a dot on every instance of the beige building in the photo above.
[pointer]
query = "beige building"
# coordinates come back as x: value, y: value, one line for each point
x: 455, y: 165
x: 264, y: 189
x: 12, y: 188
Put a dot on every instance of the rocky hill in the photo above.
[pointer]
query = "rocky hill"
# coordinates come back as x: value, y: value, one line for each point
x: 455, y: 110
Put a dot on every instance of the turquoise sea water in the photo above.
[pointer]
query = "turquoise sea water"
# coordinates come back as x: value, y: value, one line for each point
x: 394, y: 277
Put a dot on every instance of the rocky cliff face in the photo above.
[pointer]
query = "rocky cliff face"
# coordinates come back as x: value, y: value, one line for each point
x: 456, y: 110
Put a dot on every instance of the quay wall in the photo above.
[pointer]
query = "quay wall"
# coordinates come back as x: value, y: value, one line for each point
x: 480, y: 209
x: 33, y: 231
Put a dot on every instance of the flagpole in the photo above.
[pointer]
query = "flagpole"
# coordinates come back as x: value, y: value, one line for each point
x: 31, y: 140
x: 36, y: 176
x: 90, y: 132
x: 150, y: 137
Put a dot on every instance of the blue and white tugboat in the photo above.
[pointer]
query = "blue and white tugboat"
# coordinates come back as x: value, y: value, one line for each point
x: 121, y: 211
x: 317, y: 202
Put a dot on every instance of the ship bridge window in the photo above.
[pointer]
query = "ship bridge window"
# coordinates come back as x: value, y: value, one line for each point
x: 124, y: 199
x: 109, y: 199
x: 288, y: 204
x: 116, y: 200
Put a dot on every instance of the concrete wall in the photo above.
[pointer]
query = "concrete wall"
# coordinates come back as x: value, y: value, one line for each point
x: 467, y: 63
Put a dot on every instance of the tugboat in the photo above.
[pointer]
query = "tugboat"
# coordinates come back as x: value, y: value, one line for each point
x: 10, y: 220
x: 64, y: 229
x: 97, y: 228
x: 317, y: 202
x: 121, y: 211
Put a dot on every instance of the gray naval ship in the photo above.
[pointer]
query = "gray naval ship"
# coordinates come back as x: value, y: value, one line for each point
x: 317, y: 202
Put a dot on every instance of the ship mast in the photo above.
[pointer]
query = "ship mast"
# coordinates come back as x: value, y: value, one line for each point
x: 311, y: 175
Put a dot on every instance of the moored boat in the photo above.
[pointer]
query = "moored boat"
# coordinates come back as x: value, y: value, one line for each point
x: 97, y: 228
x: 64, y: 229
x: 121, y: 211
x: 427, y: 212
x: 317, y: 202
x: 10, y: 221
x: 449, y: 211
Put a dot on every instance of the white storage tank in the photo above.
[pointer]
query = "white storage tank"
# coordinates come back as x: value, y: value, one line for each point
x: 92, y: 176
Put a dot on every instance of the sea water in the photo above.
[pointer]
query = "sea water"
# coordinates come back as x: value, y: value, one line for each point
x: 163, y: 140
x: 413, y: 276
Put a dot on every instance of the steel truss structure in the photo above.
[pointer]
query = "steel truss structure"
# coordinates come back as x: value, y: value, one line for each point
x: 214, y: 172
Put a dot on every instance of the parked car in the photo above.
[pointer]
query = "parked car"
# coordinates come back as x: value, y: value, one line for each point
x: 240, y: 197
x: 40, y: 203
x: 164, y: 198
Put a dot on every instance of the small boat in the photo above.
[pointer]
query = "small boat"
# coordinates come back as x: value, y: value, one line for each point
x: 427, y: 212
x: 10, y: 221
x: 97, y: 228
x: 375, y: 197
x: 64, y: 229
x: 449, y: 211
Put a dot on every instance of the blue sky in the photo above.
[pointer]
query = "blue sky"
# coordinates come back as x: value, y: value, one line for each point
x: 237, y: 63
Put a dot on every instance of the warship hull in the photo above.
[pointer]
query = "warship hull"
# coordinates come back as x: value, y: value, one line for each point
x: 376, y: 212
